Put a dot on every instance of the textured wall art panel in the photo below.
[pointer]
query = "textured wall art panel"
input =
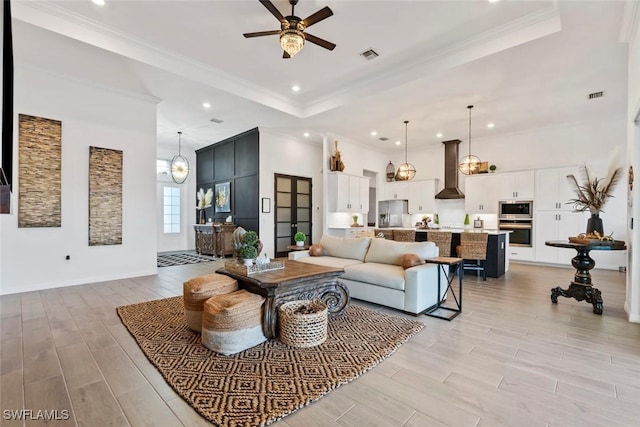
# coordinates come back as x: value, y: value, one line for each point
x: 39, y: 172
x: 105, y: 196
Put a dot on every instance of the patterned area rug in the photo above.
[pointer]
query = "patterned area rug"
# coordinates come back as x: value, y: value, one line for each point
x: 265, y: 383
x: 167, y: 260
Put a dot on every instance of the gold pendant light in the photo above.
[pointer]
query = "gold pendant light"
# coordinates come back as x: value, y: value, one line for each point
x: 179, y: 164
x: 406, y: 171
x: 470, y: 164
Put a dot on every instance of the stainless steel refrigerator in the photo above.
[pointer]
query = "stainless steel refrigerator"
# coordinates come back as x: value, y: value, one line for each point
x: 390, y: 213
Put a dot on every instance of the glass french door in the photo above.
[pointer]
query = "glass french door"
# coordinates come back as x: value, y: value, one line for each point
x: 292, y: 211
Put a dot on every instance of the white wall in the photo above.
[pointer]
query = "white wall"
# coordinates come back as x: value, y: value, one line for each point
x: 34, y: 258
x: 632, y: 303
x: 285, y: 155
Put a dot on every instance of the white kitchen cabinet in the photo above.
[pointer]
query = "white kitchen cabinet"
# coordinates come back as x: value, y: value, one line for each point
x: 348, y: 193
x: 517, y: 185
x: 556, y: 226
x: 481, y: 194
x: 422, y: 196
x: 396, y: 190
x: 553, y: 190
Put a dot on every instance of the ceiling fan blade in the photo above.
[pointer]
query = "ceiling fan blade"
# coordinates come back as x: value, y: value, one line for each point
x: 285, y: 55
x: 261, y: 33
x: 320, y: 42
x: 271, y: 8
x: 323, y: 13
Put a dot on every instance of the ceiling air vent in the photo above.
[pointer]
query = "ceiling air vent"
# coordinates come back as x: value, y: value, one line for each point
x: 383, y: 138
x: 214, y: 120
x: 595, y: 95
x: 369, y: 54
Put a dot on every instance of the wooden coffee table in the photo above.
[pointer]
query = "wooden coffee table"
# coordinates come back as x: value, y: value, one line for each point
x: 297, y: 281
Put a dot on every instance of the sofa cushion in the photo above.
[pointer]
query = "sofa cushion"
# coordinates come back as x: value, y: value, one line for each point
x: 315, y: 250
x: 386, y: 275
x: 341, y: 247
x: 390, y: 252
x: 410, y: 260
x: 328, y: 261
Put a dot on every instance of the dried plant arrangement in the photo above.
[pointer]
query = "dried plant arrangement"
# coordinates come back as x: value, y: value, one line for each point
x: 592, y: 193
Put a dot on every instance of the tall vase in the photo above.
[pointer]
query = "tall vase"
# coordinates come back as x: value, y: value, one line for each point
x: 202, y: 219
x: 595, y: 224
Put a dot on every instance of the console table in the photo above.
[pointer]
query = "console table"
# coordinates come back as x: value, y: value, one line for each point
x: 581, y: 288
x: 214, y: 238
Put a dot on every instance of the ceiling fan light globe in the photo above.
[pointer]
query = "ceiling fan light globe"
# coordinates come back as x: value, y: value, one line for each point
x: 469, y: 165
x: 291, y: 41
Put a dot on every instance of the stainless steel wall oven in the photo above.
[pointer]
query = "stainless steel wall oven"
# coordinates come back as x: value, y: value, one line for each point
x: 517, y: 216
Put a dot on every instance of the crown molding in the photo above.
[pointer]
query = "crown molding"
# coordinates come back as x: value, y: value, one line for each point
x: 59, y: 20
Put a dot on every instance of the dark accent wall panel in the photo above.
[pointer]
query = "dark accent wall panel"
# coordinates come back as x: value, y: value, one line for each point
x: 234, y: 160
x: 246, y: 148
x: 39, y: 172
x: 105, y: 196
x: 223, y: 159
x: 245, y: 197
x: 204, y: 166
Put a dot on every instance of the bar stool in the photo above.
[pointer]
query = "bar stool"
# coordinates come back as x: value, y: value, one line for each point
x: 404, y: 235
x: 473, y: 247
x: 442, y: 239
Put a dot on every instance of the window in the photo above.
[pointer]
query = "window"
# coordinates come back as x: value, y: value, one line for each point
x: 171, y: 209
x: 163, y: 167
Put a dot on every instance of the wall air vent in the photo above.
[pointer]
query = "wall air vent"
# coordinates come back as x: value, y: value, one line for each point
x: 595, y: 95
x: 369, y: 54
x: 383, y: 138
x: 214, y: 120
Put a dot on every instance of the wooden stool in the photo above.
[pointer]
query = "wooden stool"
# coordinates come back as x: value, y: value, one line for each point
x: 232, y: 322
x: 199, y: 289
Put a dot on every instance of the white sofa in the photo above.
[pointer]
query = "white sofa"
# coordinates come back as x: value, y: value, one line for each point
x: 374, y: 273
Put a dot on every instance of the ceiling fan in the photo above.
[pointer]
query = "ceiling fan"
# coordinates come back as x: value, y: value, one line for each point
x: 292, y: 29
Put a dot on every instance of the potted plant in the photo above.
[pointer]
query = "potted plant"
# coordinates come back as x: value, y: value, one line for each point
x: 248, y: 249
x: 355, y: 220
x: 592, y: 194
x: 299, y: 237
x: 492, y: 168
x: 204, y: 201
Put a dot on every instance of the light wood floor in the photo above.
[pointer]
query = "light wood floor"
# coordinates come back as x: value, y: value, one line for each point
x: 511, y: 359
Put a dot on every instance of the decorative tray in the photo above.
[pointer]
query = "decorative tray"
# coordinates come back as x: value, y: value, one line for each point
x: 239, y: 268
x: 596, y: 242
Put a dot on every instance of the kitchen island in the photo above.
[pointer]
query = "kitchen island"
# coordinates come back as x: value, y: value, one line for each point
x: 497, y: 262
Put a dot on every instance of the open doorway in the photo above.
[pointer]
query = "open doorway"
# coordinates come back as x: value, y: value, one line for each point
x: 372, y: 215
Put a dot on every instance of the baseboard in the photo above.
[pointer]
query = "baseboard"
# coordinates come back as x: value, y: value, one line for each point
x: 633, y: 318
x: 547, y: 264
x: 83, y: 281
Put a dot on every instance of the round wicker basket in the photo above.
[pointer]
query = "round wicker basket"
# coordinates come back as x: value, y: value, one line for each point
x: 303, y: 323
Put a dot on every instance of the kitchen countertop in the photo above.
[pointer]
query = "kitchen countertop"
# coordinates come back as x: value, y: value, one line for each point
x: 456, y: 230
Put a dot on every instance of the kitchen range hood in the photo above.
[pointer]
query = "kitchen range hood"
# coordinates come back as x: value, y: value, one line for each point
x: 451, y: 190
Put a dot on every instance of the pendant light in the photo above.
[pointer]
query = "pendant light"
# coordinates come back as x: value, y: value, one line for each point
x: 470, y: 164
x: 406, y: 171
x: 179, y: 164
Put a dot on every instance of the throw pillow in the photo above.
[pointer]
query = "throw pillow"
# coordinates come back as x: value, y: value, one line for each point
x: 410, y: 260
x: 315, y: 249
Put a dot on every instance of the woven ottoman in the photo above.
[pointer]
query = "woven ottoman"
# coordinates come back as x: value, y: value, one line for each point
x: 199, y: 289
x: 232, y: 322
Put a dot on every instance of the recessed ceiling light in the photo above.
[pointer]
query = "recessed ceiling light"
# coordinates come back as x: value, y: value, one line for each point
x: 206, y: 105
x: 295, y: 88
x: 494, y: 1
x: 374, y: 133
x: 438, y: 135
x: 98, y: 2
x: 490, y: 125
x: 398, y: 142
x: 306, y: 134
